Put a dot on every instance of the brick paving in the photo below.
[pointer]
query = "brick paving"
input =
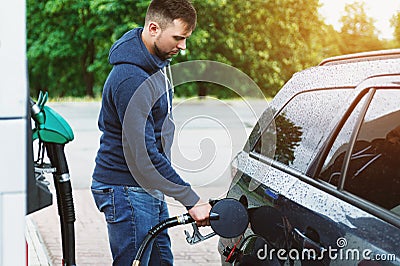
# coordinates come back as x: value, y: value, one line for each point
x: 91, y: 237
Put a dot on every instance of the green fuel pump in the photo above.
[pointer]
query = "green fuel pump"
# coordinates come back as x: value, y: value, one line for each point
x: 53, y: 132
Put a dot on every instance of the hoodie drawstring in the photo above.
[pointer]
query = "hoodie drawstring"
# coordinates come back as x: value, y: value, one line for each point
x: 166, y: 86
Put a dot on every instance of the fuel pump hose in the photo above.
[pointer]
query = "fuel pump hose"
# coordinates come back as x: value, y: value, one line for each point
x: 154, y: 231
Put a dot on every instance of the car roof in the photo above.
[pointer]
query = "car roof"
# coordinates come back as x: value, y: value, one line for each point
x: 351, y: 71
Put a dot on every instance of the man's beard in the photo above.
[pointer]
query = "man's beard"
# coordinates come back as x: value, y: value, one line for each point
x: 162, y: 55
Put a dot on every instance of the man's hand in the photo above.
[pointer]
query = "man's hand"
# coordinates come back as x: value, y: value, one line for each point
x: 201, y: 213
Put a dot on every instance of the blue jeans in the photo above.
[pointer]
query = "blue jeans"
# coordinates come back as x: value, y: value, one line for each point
x: 130, y: 212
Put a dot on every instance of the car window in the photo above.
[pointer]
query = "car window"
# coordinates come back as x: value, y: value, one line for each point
x: 301, y: 126
x: 374, y: 167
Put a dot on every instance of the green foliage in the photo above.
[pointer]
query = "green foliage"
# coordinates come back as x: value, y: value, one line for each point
x: 267, y: 40
x: 395, y: 22
x: 69, y: 40
x: 358, y: 32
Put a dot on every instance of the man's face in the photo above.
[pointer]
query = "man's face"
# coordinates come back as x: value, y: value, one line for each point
x: 171, y: 40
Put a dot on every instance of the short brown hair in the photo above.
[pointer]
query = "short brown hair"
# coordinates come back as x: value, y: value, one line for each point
x: 165, y: 12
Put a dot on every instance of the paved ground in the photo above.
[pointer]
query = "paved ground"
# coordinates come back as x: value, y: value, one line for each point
x: 91, y: 237
x: 222, y: 122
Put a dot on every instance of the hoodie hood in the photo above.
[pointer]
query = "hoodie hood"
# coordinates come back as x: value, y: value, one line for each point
x: 125, y: 51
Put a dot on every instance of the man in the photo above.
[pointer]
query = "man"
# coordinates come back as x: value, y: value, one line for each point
x: 133, y: 170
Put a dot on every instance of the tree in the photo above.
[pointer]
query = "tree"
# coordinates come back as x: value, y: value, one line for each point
x: 60, y: 46
x: 358, y: 32
x: 68, y: 42
x: 268, y: 40
x: 395, y: 22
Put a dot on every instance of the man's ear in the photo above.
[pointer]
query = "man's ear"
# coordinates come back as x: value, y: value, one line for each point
x: 153, y: 28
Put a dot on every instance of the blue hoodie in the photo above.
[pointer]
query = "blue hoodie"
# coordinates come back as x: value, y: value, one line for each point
x: 136, y: 122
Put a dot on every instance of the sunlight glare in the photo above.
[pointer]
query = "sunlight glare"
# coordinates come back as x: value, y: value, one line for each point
x: 381, y: 11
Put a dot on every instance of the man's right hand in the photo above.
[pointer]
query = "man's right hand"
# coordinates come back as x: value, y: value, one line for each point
x: 201, y: 213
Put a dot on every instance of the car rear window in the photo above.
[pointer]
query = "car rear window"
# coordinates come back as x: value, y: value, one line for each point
x: 302, y: 125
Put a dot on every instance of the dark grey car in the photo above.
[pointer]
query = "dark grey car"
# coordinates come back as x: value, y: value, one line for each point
x: 320, y: 174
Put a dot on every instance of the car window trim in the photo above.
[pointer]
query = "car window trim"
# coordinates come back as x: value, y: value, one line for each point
x: 346, y: 196
x: 353, y: 138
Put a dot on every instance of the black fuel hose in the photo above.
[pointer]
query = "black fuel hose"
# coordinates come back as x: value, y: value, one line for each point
x: 65, y: 201
x: 154, y: 231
